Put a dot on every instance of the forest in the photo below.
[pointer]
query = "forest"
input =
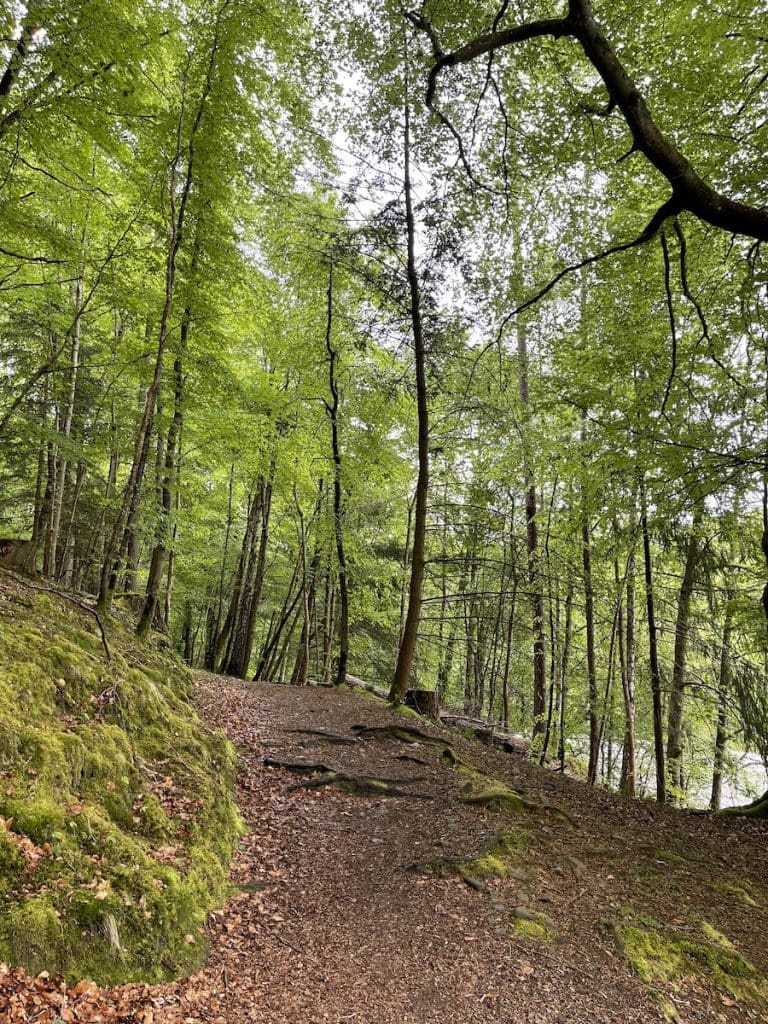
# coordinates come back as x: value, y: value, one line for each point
x: 383, y: 512
x: 424, y: 346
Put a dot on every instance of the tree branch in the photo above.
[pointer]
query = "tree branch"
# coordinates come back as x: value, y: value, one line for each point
x: 669, y: 209
x: 689, y: 189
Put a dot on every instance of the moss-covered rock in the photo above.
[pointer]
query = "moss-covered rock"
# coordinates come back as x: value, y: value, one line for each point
x: 530, y: 924
x: 120, y: 801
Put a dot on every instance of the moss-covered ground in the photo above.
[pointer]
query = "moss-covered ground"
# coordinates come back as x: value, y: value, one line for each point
x: 117, y: 815
x: 658, y: 953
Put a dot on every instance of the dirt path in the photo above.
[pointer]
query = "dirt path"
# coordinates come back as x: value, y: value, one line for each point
x: 333, y: 924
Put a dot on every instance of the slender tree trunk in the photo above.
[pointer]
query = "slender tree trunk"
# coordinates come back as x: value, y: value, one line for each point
x: 66, y: 427
x: 405, y: 577
x: 723, y: 687
x: 564, y: 673
x: 407, y: 649
x: 553, y: 601
x: 300, y: 676
x: 627, y: 660
x: 257, y: 585
x: 178, y: 197
x: 329, y: 621
x: 273, y: 636
x: 157, y: 563
x: 246, y: 595
x: 532, y: 542
x: 332, y: 409
x: 589, y: 617
x: 677, y: 695
x: 510, y: 620
x: 213, y: 634
x: 656, y: 685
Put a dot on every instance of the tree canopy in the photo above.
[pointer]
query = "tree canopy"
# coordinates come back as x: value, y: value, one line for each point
x: 428, y: 346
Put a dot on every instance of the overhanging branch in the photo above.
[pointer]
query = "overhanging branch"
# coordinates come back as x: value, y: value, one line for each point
x: 691, y: 192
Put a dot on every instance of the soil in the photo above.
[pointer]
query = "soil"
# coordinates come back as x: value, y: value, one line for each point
x: 335, y: 916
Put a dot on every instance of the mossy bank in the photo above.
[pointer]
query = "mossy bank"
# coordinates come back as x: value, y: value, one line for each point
x: 117, y: 802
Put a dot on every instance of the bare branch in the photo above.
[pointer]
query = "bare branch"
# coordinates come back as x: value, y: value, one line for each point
x: 669, y: 209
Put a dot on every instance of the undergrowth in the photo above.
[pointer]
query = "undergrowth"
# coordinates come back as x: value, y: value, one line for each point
x: 117, y: 814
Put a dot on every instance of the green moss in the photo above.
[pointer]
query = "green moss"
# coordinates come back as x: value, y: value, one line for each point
x: 12, y: 864
x: 108, y: 763
x: 498, y: 859
x: 667, y: 1008
x: 33, y: 933
x: 539, y: 928
x: 482, y: 791
x: 407, y: 712
x: 739, y: 892
x: 39, y: 818
x: 495, y: 796
x: 666, y: 855
x: 662, y: 954
x: 155, y: 823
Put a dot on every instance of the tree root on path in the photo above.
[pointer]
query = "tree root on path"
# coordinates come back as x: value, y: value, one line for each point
x: 300, y: 767
x: 402, y: 733
x: 361, y: 786
x: 480, y: 790
x: 497, y: 860
x: 757, y: 809
x: 322, y: 736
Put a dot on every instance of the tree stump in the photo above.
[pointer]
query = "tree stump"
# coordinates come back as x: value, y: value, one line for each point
x: 423, y: 701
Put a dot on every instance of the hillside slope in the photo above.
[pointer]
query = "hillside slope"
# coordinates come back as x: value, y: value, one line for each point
x: 428, y: 880
x: 117, y: 816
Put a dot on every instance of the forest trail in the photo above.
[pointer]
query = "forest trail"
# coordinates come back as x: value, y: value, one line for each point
x: 337, y: 925
x: 334, y: 917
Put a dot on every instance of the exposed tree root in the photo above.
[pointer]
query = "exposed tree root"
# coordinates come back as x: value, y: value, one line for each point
x: 321, y: 736
x: 300, y: 767
x: 497, y: 860
x: 757, y: 809
x: 481, y: 791
x: 360, y: 786
x: 403, y: 733
x: 502, y: 800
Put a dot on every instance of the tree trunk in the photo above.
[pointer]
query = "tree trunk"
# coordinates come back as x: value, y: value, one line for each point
x: 407, y: 649
x: 564, y: 672
x: 178, y: 198
x: 723, y: 686
x: 157, y: 562
x: 589, y: 617
x: 627, y: 659
x: 658, y: 714
x: 332, y: 409
x: 677, y: 695
x: 532, y: 543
